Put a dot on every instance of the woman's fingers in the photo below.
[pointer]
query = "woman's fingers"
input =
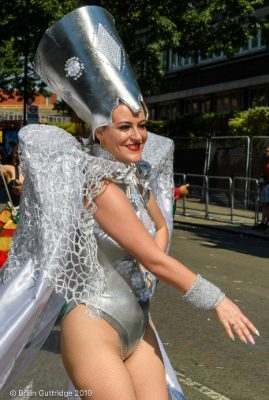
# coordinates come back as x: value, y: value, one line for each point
x: 243, y: 333
x: 234, y: 321
x: 228, y: 329
x: 239, y: 329
x: 244, y: 329
x: 250, y: 326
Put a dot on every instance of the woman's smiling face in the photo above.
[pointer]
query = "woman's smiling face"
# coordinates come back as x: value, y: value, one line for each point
x: 125, y: 137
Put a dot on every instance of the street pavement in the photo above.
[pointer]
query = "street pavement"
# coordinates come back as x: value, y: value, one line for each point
x: 191, y: 211
x: 208, y: 364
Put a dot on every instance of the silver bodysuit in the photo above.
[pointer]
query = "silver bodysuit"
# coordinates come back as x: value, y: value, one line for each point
x: 125, y: 300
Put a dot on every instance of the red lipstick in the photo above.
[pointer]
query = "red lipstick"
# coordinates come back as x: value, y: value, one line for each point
x: 134, y: 147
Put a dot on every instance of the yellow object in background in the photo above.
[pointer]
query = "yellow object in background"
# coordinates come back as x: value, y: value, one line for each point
x: 7, y: 230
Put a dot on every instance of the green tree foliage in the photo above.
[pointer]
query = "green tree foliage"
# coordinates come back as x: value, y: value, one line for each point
x: 193, y: 125
x: 254, y: 122
x: 147, y: 29
x: 190, y: 27
x: 21, y: 26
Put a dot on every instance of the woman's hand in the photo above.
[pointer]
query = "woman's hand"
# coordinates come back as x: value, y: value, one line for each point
x: 17, y: 188
x: 233, y: 320
x: 184, y: 189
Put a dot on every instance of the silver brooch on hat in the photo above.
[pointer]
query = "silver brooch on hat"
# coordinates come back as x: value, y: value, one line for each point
x: 74, y: 68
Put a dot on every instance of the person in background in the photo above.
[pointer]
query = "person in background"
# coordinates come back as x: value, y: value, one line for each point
x: 12, y: 182
x: 12, y: 157
x: 264, y: 194
x: 14, y: 179
x: 179, y: 192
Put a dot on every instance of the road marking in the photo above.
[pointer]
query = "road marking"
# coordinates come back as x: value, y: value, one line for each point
x: 211, y: 394
x: 24, y: 394
x: 209, y: 244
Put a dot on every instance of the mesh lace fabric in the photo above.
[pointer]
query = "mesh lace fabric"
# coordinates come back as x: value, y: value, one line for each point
x: 159, y: 153
x: 55, y: 229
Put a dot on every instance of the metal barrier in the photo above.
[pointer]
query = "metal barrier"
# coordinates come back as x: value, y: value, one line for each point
x: 227, y: 154
x: 220, y: 195
x: 232, y: 198
x: 219, y: 201
x: 250, y: 194
x: 196, y: 203
x: 221, y: 155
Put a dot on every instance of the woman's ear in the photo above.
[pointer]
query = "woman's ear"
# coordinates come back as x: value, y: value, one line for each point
x: 99, y: 133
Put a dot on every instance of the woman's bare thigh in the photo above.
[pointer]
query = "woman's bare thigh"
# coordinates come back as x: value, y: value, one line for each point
x: 147, y: 370
x: 91, y: 353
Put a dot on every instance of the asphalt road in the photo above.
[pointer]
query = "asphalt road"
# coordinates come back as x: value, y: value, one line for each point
x: 208, y: 364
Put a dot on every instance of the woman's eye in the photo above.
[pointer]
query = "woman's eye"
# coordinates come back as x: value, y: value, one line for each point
x: 143, y: 126
x: 124, y: 127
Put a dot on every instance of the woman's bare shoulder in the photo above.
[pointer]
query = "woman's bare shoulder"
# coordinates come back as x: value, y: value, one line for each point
x: 7, y: 169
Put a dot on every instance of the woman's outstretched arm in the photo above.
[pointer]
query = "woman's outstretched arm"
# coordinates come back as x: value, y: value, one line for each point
x: 118, y: 219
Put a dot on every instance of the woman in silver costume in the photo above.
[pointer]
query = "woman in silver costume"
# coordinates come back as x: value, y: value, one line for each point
x: 118, y: 356
x: 105, y: 258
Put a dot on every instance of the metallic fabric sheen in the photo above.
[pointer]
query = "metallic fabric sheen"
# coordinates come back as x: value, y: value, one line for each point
x: 56, y: 169
x: 82, y: 59
x: 204, y: 294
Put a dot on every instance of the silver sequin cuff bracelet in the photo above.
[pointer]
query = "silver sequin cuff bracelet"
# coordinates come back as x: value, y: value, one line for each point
x: 203, y: 294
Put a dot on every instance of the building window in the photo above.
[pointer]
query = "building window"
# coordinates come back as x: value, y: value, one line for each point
x: 169, y: 110
x: 210, y: 58
x: 197, y: 105
x: 228, y: 102
x: 205, y: 106
x: 258, y: 97
x: 256, y: 42
x: 234, y: 103
x: 152, y: 113
x: 175, y: 61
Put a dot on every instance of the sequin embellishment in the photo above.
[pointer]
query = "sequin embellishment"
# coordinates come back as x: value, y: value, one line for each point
x: 74, y: 68
x: 109, y: 47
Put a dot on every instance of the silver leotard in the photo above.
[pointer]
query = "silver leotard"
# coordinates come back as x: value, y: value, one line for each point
x: 125, y: 301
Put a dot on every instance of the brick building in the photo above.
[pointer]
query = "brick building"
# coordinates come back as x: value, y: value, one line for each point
x: 11, y: 109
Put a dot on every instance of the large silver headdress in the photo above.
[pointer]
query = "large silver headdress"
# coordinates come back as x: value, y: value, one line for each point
x: 82, y: 59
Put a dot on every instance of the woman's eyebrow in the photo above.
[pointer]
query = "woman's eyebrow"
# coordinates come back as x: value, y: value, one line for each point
x: 129, y: 122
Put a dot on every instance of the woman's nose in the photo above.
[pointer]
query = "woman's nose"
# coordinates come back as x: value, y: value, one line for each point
x: 136, y: 134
